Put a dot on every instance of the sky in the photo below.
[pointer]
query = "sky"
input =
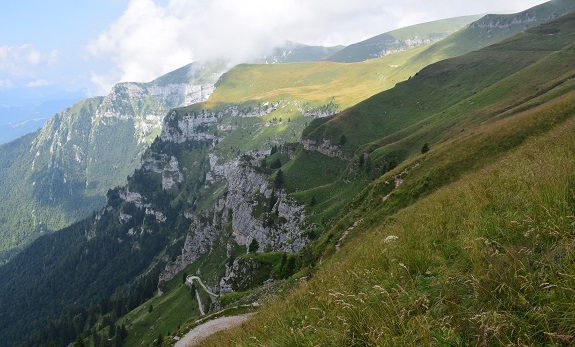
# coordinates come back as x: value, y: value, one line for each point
x: 89, y: 45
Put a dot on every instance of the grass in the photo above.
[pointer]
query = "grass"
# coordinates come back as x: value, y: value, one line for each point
x: 397, y: 40
x: 485, y: 260
x: 474, y: 247
x: 170, y: 310
x: 445, y: 101
x: 301, y: 90
x: 317, y: 82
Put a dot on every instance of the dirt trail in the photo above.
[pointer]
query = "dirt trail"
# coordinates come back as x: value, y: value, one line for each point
x: 202, y: 331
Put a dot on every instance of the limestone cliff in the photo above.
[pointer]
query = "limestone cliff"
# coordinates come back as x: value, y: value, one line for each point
x: 65, y: 170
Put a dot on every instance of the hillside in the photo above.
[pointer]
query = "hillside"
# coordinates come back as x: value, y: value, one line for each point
x: 401, y: 39
x: 488, y: 136
x: 61, y: 180
x: 61, y: 173
x: 179, y: 205
x: 493, y: 28
x: 467, y: 244
x: 256, y: 188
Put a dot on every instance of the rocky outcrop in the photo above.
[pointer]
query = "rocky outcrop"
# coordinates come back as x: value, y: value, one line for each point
x: 166, y: 165
x: 239, y: 276
x: 201, y: 126
x: 132, y: 197
x: 188, y: 127
x: 505, y: 21
x: 199, y: 240
x: 247, y: 189
x: 325, y: 147
x: 281, y: 236
x: 171, y: 175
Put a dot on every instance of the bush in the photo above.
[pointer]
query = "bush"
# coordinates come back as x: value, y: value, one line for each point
x: 425, y: 148
x: 254, y: 246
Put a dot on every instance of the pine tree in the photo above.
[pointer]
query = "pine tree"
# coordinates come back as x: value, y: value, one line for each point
x: 254, y: 246
x: 79, y: 342
x: 279, y: 180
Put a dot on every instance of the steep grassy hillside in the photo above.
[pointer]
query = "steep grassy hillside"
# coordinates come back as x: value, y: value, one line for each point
x: 486, y: 260
x: 495, y: 27
x: 221, y: 195
x: 445, y: 99
x: 316, y: 82
x: 470, y: 243
x: 327, y: 183
x: 401, y: 40
x: 175, y: 184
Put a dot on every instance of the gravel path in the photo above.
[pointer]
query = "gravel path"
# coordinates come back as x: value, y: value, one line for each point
x: 202, y: 331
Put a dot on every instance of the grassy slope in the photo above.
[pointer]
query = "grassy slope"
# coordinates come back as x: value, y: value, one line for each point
x: 464, y: 84
x: 493, y: 28
x: 485, y: 260
x: 396, y: 39
x: 303, y: 89
x: 314, y: 166
x: 302, y: 85
x: 442, y: 101
x: 167, y: 313
x: 315, y: 82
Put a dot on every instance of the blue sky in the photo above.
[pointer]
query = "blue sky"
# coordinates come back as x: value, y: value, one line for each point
x: 90, y: 45
x: 43, y: 43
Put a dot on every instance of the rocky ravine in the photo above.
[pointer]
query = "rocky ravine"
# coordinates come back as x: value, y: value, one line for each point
x: 247, y: 188
x: 243, y: 184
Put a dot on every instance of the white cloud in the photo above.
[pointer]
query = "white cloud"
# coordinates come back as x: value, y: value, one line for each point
x: 153, y: 38
x: 6, y: 83
x: 38, y: 83
x: 103, y: 83
x: 24, y: 64
x: 18, y: 60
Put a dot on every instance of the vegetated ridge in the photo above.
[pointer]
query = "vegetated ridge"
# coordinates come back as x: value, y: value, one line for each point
x: 401, y: 39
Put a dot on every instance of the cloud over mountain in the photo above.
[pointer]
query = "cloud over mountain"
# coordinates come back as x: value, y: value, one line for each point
x: 154, y: 37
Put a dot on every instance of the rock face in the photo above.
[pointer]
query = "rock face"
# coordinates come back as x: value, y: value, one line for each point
x: 245, y: 185
x: 194, y: 126
x: 248, y: 192
x: 325, y: 147
x: 239, y: 276
x: 499, y: 22
x: 526, y: 19
x: 284, y: 235
x: 64, y: 171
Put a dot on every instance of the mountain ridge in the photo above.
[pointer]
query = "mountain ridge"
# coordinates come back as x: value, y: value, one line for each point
x: 401, y: 39
x: 63, y: 178
x: 184, y: 212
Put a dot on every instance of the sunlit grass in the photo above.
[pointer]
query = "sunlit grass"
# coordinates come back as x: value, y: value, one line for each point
x: 485, y: 260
